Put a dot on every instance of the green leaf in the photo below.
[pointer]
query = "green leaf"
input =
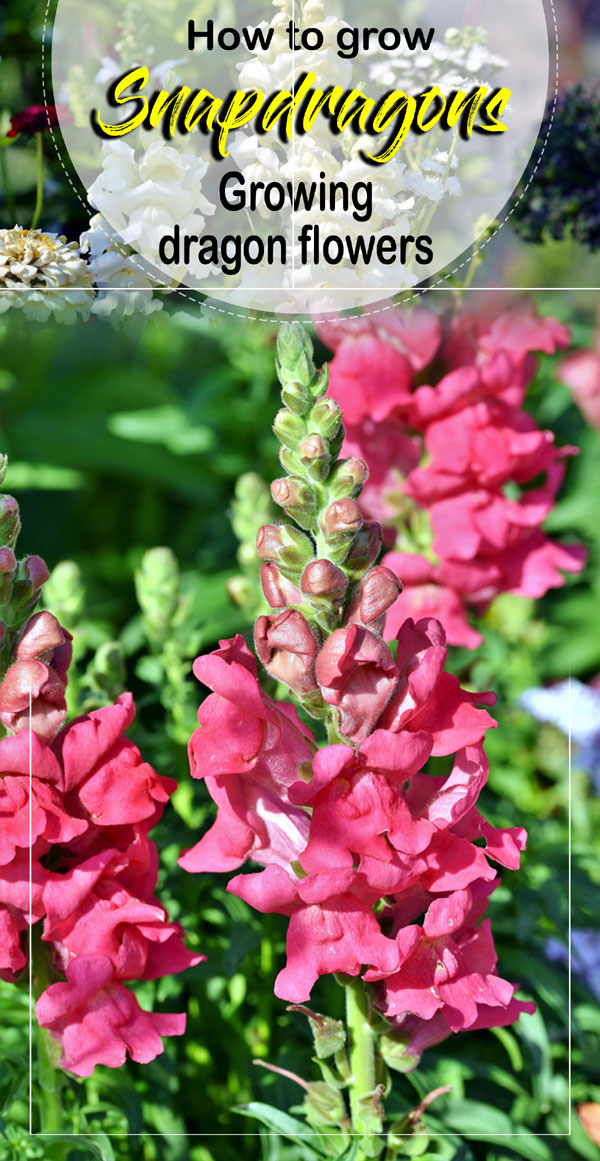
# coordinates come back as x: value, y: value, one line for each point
x: 275, y: 1120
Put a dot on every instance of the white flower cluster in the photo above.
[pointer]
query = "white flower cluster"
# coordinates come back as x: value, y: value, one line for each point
x: 44, y: 276
x: 460, y: 61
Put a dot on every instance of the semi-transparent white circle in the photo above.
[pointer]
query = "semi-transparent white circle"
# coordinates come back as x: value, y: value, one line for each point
x: 144, y: 189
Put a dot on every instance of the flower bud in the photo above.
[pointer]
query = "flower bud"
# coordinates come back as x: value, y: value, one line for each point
x: 289, y: 428
x: 357, y: 675
x: 296, y: 397
x: 287, y: 649
x: 10, y: 521
x: 294, y: 352
x: 157, y: 588
x: 44, y: 639
x: 31, y: 575
x: 314, y: 454
x: 365, y: 548
x: 343, y: 516
x: 8, y: 566
x: 241, y: 591
x: 37, y: 679
x: 65, y: 593
x: 324, y: 1104
x: 329, y: 1034
x: 322, y: 578
x: 348, y: 479
x: 107, y: 670
x: 279, y: 592
x: 393, y: 1048
x: 326, y: 418
x: 290, y: 461
x: 284, y: 544
x: 373, y: 597
x: 296, y: 497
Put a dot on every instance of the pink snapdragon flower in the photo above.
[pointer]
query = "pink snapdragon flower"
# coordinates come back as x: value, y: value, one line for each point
x: 248, y: 750
x: 96, y: 1020
x: 94, y: 871
x: 453, y: 457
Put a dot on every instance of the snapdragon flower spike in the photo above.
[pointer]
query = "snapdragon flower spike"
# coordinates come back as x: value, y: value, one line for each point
x: 76, y: 860
x: 383, y: 869
x: 452, y: 460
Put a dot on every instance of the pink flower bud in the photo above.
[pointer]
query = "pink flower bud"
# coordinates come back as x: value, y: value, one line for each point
x: 349, y: 477
x: 322, y: 578
x: 278, y: 591
x: 38, y: 678
x: 285, y: 545
x: 7, y: 561
x: 293, y: 494
x: 357, y: 674
x: 365, y: 547
x: 32, y: 574
x: 287, y: 649
x: 313, y: 447
x: 373, y: 597
x: 341, y: 516
x: 8, y: 566
x: 45, y: 639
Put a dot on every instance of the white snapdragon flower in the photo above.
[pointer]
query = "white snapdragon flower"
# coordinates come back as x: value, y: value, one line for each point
x: 145, y: 193
x: 122, y: 284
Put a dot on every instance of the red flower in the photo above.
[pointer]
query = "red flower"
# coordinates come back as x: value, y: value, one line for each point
x: 35, y: 119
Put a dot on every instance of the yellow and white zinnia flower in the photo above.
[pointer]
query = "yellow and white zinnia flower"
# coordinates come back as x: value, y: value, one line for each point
x: 44, y: 275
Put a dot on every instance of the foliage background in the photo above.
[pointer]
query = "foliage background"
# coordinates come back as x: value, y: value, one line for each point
x: 121, y: 439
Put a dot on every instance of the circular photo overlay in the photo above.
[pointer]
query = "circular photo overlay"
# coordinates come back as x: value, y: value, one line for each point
x: 297, y: 157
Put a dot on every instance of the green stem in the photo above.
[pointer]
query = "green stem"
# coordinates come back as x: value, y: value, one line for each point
x: 39, y: 197
x: 11, y: 207
x: 361, y: 1050
x: 50, y: 1079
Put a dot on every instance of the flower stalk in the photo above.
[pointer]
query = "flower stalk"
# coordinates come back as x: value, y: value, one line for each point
x: 39, y: 190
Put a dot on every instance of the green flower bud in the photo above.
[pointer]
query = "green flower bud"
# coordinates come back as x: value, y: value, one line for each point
x: 392, y: 1047
x: 296, y: 397
x: 107, y: 670
x: 241, y: 591
x: 326, y: 418
x: 290, y: 461
x: 10, y: 521
x: 64, y: 593
x: 157, y: 588
x: 324, y: 1105
x: 289, y: 428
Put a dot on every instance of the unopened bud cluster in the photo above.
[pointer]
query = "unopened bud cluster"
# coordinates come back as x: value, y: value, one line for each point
x: 35, y: 651
x: 317, y: 571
